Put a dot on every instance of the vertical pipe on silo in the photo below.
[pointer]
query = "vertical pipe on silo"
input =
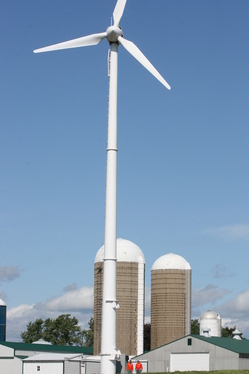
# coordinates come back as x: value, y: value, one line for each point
x: 140, y: 308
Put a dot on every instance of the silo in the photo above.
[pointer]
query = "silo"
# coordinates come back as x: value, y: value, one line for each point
x: 130, y: 295
x: 212, y: 321
x: 170, y: 299
x: 3, y: 308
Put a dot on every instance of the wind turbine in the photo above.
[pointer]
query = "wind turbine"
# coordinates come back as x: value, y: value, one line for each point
x: 114, y: 35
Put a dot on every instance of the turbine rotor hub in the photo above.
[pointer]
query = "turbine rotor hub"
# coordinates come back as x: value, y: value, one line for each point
x: 113, y: 32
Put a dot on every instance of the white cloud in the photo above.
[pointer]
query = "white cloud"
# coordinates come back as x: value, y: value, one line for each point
x: 9, y: 273
x: 237, y: 231
x: 235, y: 312
x: 208, y: 294
x: 78, y: 303
x: 203, y: 298
x: 80, y: 299
x: 17, y: 319
x: 19, y: 311
x: 239, y: 306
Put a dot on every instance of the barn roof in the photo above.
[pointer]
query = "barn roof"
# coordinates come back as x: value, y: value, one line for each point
x: 48, y: 348
x: 234, y: 345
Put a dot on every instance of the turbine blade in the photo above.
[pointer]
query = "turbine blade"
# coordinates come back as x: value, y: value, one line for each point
x: 118, y: 11
x: 75, y: 43
x: 140, y: 57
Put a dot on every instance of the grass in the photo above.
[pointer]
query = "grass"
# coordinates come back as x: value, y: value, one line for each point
x: 210, y: 372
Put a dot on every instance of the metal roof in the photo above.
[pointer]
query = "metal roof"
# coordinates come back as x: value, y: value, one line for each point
x: 53, y: 357
x: 127, y: 251
x: 234, y: 345
x: 48, y: 348
x: 171, y: 261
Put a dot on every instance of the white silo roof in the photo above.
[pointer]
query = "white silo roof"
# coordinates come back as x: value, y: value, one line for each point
x: 41, y: 341
x: 209, y: 314
x: 127, y: 251
x: 170, y: 261
x: 2, y: 303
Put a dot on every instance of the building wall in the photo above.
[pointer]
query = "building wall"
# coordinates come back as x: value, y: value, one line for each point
x: 8, y: 366
x: 243, y: 364
x: 72, y: 367
x: 170, y: 305
x: 45, y: 367
x: 8, y: 363
x: 129, y: 307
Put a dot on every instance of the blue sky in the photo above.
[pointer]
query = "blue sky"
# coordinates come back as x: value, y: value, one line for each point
x: 182, y: 162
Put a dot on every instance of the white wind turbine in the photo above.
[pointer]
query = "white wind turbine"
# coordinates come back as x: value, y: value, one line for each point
x: 114, y: 35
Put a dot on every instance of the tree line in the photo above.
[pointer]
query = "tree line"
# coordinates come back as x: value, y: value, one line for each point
x: 65, y: 330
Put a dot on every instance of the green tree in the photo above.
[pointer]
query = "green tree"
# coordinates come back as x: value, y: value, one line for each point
x: 64, y: 330
x: 227, y: 332
x: 195, y: 327
x: 87, y: 335
x: 147, y: 329
x: 34, y: 331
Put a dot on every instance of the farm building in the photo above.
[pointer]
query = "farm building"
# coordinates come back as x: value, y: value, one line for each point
x: 56, y: 363
x: 199, y: 353
x: 20, y: 358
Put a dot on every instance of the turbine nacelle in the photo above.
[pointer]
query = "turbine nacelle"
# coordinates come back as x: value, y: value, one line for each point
x: 113, y: 33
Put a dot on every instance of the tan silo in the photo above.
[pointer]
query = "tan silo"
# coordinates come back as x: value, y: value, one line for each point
x: 130, y: 295
x: 170, y: 299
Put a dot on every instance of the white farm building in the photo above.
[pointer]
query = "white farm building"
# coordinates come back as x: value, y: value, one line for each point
x: 22, y: 358
x: 198, y: 353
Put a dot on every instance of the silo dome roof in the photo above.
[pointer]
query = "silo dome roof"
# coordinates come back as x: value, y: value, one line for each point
x: 2, y: 303
x: 170, y: 261
x: 127, y: 251
x: 209, y: 314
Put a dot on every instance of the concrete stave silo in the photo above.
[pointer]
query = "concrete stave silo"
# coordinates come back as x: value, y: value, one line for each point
x: 130, y: 295
x: 170, y: 299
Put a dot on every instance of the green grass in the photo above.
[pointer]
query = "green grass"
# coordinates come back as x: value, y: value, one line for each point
x: 210, y: 372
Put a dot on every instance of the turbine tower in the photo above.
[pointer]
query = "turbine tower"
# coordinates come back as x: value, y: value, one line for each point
x: 114, y: 35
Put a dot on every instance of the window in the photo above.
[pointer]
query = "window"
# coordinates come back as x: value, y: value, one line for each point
x: 189, y: 341
x: 38, y: 368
